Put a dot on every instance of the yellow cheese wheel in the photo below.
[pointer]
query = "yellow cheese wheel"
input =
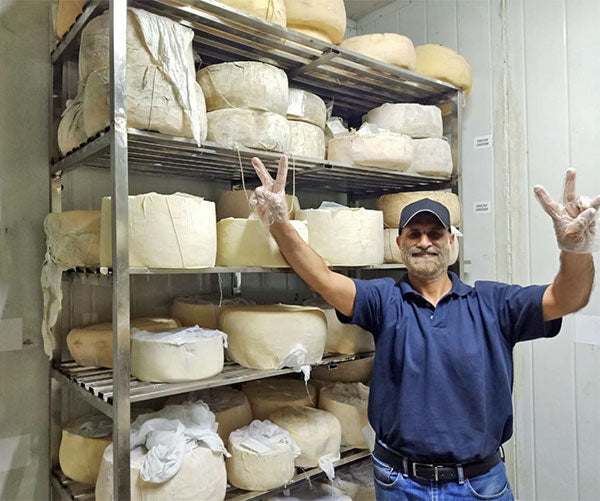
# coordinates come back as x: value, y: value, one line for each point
x: 443, y: 63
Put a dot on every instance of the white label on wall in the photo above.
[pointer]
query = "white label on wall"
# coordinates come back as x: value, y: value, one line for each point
x: 482, y: 207
x: 11, y: 334
x: 483, y: 142
x: 16, y: 452
x: 587, y: 329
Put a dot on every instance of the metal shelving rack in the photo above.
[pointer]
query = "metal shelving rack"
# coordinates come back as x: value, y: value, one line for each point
x: 354, y: 82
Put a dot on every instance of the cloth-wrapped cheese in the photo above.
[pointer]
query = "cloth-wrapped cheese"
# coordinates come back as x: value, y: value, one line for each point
x: 323, y: 17
x: 306, y: 107
x: 443, y: 63
x: 190, y: 311
x: 73, y: 237
x: 244, y: 84
x: 274, y: 336
x: 387, y: 47
x: 165, y: 231
x: 71, y: 130
x: 392, y: 205
x: 348, y: 402
x: 268, y: 395
x: 346, y: 338
x: 355, y: 371
x: 358, y: 482
x: 270, y: 10
x: 307, y: 140
x: 92, y: 345
x: 234, y: 203
x: 414, y: 120
x: 386, y: 150
x: 431, y: 156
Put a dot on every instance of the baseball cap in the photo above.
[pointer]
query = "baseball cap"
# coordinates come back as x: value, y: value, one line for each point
x: 424, y: 205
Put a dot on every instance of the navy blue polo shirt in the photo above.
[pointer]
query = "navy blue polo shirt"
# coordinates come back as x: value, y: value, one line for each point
x: 442, y: 377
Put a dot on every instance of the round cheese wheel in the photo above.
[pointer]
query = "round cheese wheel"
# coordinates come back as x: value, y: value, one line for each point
x: 71, y: 130
x: 268, y: 395
x: 318, y: 433
x: 431, y: 157
x: 414, y: 120
x: 179, y: 355
x: 307, y: 140
x: 348, y: 402
x: 443, y: 63
x: 355, y: 371
x: 307, y: 107
x: 246, y: 242
x: 387, y: 47
x: 386, y: 150
x: 345, y: 237
x: 392, y: 205
x: 391, y: 251
x: 82, y: 446
x: 326, y: 16
x: 240, y: 128
x: 244, y: 84
x: 347, y: 339
x: 190, y: 311
x: 73, y: 237
x: 314, y: 33
x: 263, y: 337
x: 270, y: 10
x: 234, y: 203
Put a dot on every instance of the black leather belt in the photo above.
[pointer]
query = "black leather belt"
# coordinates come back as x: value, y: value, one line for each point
x: 439, y: 472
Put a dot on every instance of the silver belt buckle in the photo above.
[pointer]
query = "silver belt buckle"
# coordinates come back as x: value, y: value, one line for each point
x: 435, y: 470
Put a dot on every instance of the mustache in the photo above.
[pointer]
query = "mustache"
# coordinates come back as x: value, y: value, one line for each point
x: 413, y: 251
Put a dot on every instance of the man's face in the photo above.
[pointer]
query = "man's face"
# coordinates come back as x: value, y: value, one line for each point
x: 425, y: 246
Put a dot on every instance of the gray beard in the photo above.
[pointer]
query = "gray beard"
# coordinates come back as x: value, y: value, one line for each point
x: 426, y: 268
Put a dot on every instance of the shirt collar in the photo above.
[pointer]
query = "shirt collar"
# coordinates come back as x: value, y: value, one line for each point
x: 459, y: 288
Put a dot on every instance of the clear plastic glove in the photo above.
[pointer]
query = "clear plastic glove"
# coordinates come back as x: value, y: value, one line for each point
x: 268, y: 200
x: 575, y: 219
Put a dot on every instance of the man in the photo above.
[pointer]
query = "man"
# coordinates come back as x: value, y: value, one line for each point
x: 440, y: 399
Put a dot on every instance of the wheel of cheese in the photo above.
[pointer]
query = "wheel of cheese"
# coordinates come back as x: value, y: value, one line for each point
x: 190, y: 311
x: 391, y: 251
x: 66, y: 15
x: 345, y: 237
x: 244, y: 84
x: 307, y: 140
x: 234, y: 203
x: 414, y: 120
x: 270, y: 10
x: 348, y: 402
x: 306, y: 107
x: 73, y: 237
x: 165, y: 231
x: 326, y: 16
x: 240, y: 128
x: 264, y: 336
x: 355, y: 371
x: 318, y: 433
x: 431, y: 157
x: 178, y: 355
x: 392, y: 205
x: 347, y: 339
x: 387, y: 47
x: 386, y: 150
x: 268, y: 395
x: 246, y: 242
x: 314, y: 33
x: 443, y: 63
x: 82, y: 446
x: 71, y: 130
x: 92, y: 345
x: 202, y: 477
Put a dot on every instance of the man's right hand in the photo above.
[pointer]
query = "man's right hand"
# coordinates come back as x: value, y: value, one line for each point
x: 268, y: 200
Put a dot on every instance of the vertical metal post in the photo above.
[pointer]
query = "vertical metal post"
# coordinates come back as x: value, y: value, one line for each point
x: 120, y: 247
x: 455, y: 132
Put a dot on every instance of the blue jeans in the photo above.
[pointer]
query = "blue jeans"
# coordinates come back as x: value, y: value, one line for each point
x: 390, y: 485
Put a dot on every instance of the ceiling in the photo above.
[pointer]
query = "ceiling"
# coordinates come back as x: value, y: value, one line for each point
x: 356, y: 9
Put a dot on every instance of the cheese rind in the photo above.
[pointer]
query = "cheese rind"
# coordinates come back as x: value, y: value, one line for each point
x: 312, y: 32
x: 270, y: 10
x: 387, y: 47
x: 355, y: 371
x: 392, y: 205
x: 386, y: 150
x: 306, y: 107
x: 66, y: 15
x: 414, y: 120
x: 443, y: 63
x: 73, y: 237
x: 307, y: 140
x: 234, y: 203
x: 347, y: 339
x: 190, y: 311
x: 268, y: 395
x: 391, y: 251
x: 431, y: 157
x: 326, y: 16
x: 71, y: 130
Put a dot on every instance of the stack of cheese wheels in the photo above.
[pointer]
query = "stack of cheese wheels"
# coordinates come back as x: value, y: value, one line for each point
x: 345, y: 236
x: 347, y: 339
x: 348, y: 402
x: 392, y: 205
x: 387, y: 47
x: 165, y: 231
x: 190, y: 311
x: 268, y: 395
x: 270, y: 10
x: 178, y: 355
x: 318, y: 433
x: 73, y: 237
x: 92, y: 345
x: 246, y: 242
x: 266, y: 336
x: 82, y: 446
x: 66, y: 15
x: 246, y: 103
x: 234, y: 203
x: 443, y: 63
x: 322, y: 19
x: 355, y: 371
x: 202, y: 477
x: 392, y: 251
x: 307, y: 116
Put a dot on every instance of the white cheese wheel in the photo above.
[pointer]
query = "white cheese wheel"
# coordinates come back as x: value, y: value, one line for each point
x: 270, y: 10
x: 240, y: 128
x: 202, y: 477
x: 73, y: 237
x: 345, y: 237
x: 190, y: 311
x: 234, y: 203
x: 391, y: 251
x: 414, y: 120
x: 347, y: 339
x: 318, y: 433
x: 66, y: 15
x: 443, y: 63
x: 306, y: 107
x: 264, y: 336
x: 387, y: 47
x: 92, y: 345
x: 355, y: 371
x: 71, y: 130
x: 314, y: 33
x: 268, y: 395
x: 179, y: 355
x: 82, y: 446
x: 392, y: 205
x: 326, y: 16
x: 386, y: 150
x: 348, y: 402
x: 165, y: 231
x: 244, y: 84
x: 307, y: 140
x: 246, y: 242
x: 431, y: 157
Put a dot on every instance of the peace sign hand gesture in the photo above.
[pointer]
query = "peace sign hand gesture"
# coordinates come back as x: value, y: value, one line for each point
x: 268, y: 200
x: 575, y: 219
